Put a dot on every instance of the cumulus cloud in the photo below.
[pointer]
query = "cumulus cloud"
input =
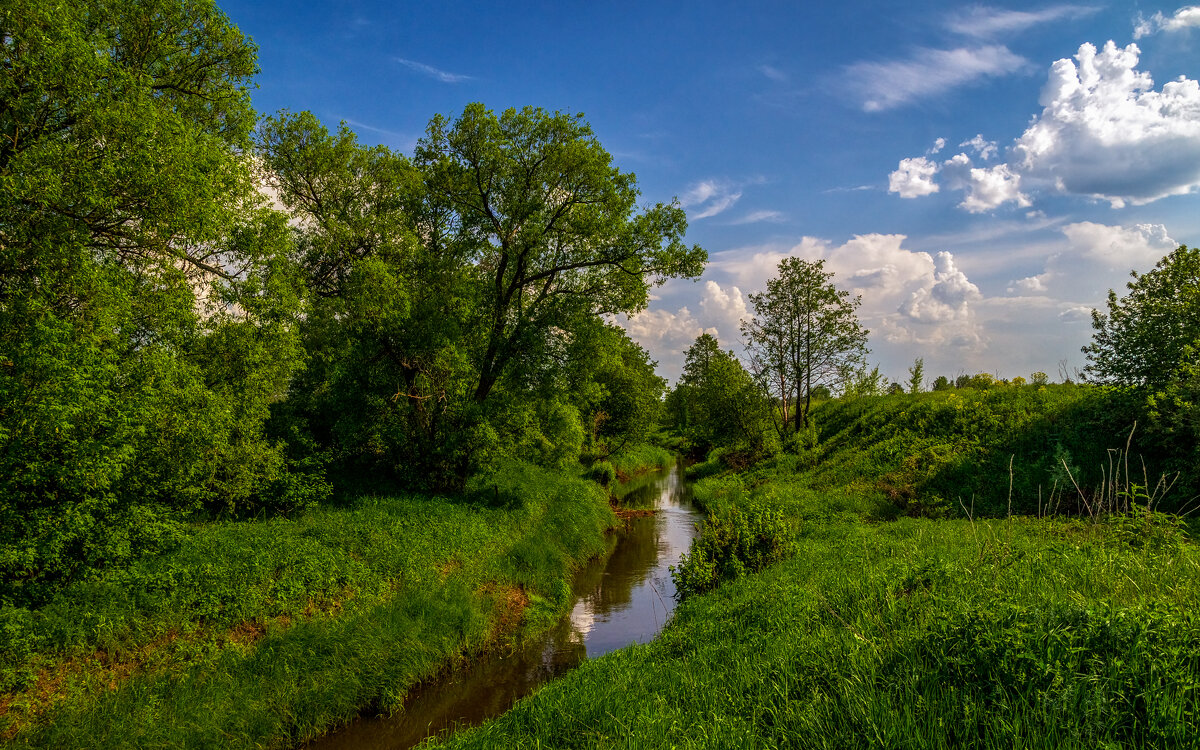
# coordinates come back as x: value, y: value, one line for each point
x: 1097, y: 257
x: 1105, y: 132
x: 929, y: 72
x: 432, y: 72
x: 663, y: 331
x: 988, y: 189
x: 909, y: 298
x: 724, y: 307
x: 948, y: 298
x: 982, y: 21
x: 984, y: 148
x: 1184, y: 18
x: 914, y: 178
x: 709, y: 198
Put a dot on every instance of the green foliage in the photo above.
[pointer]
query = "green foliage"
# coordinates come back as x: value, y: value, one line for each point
x: 717, y: 403
x: 942, y: 383
x: 146, y: 302
x: 916, y: 376
x: 804, y: 333
x: 368, y: 599
x: 1150, y: 333
x: 603, y: 473
x: 911, y: 634
x: 735, y: 541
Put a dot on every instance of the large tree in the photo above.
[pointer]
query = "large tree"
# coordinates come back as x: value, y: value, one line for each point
x: 804, y: 334
x: 454, y: 285
x: 552, y: 227
x: 145, y: 307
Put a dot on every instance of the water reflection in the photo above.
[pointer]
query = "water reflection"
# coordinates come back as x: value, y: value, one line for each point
x: 620, y: 600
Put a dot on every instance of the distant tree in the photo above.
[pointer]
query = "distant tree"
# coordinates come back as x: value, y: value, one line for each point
x: 1018, y: 380
x: 858, y: 381
x: 962, y: 381
x: 1148, y: 335
x: 803, y: 334
x: 1039, y: 378
x: 942, y: 383
x: 916, y: 376
x: 894, y: 389
x: 821, y: 393
x: 724, y: 407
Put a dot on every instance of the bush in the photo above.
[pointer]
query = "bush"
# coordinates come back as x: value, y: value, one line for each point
x: 735, y: 541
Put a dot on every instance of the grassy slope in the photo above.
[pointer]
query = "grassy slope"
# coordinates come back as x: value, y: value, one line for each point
x: 267, y: 633
x: 909, y: 633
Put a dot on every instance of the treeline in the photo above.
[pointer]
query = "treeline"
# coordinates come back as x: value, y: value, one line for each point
x: 207, y: 314
x: 1140, y: 397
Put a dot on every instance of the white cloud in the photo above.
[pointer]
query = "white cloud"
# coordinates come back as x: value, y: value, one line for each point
x: 724, y: 307
x: 1186, y: 17
x: 984, y: 148
x: 914, y: 178
x: 929, y: 72
x: 775, y: 74
x: 433, y: 72
x: 982, y: 21
x: 948, y: 298
x: 938, y: 145
x: 709, y: 198
x: 1105, y: 132
x: 755, y: 217
x: 988, y: 189
x: 1097, y: 257
x: 664, y: 332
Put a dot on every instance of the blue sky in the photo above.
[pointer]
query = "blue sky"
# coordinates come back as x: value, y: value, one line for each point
x: 980, y: 173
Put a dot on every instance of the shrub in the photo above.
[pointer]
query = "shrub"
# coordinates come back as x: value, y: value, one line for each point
x: 734, y: 541
x: 603, y: 473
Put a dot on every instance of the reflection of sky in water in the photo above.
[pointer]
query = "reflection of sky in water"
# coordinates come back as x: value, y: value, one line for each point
x: 635, y: 595
x: 620, y: 600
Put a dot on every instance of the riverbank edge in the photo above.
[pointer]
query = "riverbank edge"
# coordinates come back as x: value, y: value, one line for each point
x: 345, y: 662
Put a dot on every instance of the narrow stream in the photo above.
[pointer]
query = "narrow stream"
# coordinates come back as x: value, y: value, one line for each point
x: 621, y: 599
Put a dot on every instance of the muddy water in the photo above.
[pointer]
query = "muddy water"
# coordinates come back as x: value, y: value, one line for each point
x: 618, y: 600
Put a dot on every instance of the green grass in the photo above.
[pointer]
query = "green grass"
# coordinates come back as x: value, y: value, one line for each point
x: 267, y: 633
x: 637, y: 459
x: 893, y: 624
x: 916, y: 633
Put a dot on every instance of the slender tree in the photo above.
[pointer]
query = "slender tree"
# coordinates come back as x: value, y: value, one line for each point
x: 804, y: 333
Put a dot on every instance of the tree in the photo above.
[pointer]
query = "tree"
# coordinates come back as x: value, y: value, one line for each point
x: 720, y: 403
x: 146, y: 304
x: 804, y: 333
x: 916, y: 375
x: 1145, y: 337
x: 450, y: 288
x: 549, y: 223
x: 942, y: 383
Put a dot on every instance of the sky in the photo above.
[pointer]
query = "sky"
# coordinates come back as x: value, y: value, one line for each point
x: 980, y: 174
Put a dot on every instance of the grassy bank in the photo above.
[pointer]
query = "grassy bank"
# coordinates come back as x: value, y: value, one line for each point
x: 267, y: 633
x: 877, y: 629
x: 911, y: 634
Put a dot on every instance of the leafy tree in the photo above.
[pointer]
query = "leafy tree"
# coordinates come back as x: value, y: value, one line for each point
x: 916, y: 376
x: 449, y: 289
x: 894, y: 389
x: 804, y: 333
x: 1039, y: 378
x: 723, y: 407
x: 146, y: 302
x: 1144, y: 337
x: 942, y: 383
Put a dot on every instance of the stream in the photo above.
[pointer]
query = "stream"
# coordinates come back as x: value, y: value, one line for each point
x: 623, y: 598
